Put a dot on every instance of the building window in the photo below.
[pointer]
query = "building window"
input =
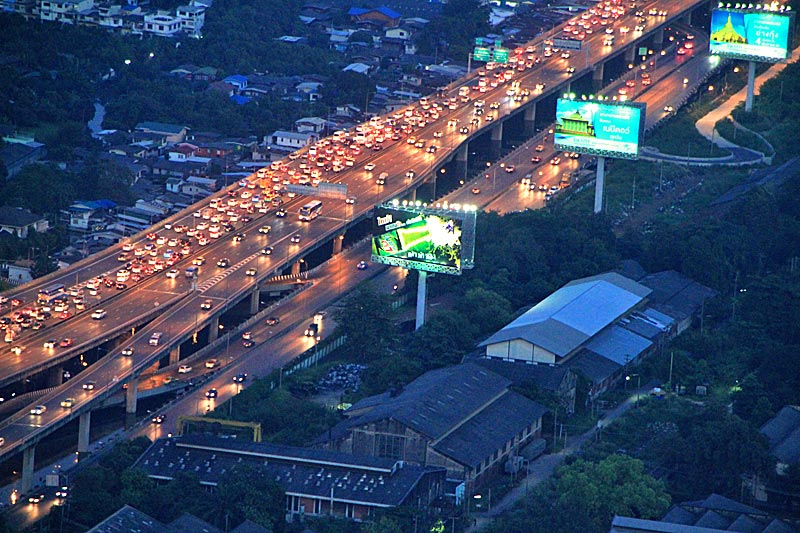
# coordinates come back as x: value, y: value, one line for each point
x: 389, y: 446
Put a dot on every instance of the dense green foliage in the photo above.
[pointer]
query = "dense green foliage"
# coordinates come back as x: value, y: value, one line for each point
x: 584, y: 496
x: 453, y: 34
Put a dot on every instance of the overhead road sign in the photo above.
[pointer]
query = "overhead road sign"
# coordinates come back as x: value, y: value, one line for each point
x: 567, y: 44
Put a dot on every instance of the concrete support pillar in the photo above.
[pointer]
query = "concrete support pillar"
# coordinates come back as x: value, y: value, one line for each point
x: 687, y: 18
x: 630, y: 54
x: 496, y: 143
x: 530, y: 119
x: 462, y: 152
x: 28, y: 456
x: 598, y: 184
x: 412, y: 195
x: 55, y: 376
x: 422, y: 292
x: 254, y: 296
x: 130, y: 396
x: 751, y: 86
x: 658, y: 39
x: 598, y: 73
x: 568, y: 87
x: 296, y: 269
x: 337, y: 244
x: 84, y: 425
x: 213, y: 329
x: 174, y: 354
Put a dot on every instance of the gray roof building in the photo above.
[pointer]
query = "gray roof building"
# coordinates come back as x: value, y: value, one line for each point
x: 315, y: 481
x: 463, y: 417
x: 783, y: 432
x: 714, y: 514
x: 676, y: 296
x: 131, y: 520
x: 559, y: 325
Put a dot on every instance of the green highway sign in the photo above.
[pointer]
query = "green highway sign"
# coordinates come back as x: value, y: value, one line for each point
x: 642, y: 50
x: 481, y: 54
x: 501, y: 55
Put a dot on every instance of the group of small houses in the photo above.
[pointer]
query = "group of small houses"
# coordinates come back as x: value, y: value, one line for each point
x: 445, y: 436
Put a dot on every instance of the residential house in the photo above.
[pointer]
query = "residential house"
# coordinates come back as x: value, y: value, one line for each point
x: 173, y: 185
x: 192, y: 19
x: 290, y: 140
x: 63, y: 10
x: 339, y: 39
x: 202, y: 182
x: 237, y: 80
x: 316, y: 482
x: 310, y: 90
x: 181, y: 152
x: 19, y: 150
x: 464, y: 418
x: 358, y: 68
x: 17, y: 272
x: 310, y: 125
x: 214, y: 149
x: 380, y: 17
x: 84, y: 216
x: 21, y: 222
x: 194, y: 73
x: 172, y: 133
x: 163, y: 24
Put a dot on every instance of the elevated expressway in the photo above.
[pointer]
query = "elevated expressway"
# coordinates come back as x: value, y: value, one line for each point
x: 172, y: 306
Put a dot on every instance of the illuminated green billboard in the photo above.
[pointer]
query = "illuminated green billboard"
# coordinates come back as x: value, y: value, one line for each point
x: 750, y: 35
x: 419, y: 238
x: 599, y: 128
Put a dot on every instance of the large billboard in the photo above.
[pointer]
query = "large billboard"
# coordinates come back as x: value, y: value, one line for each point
x: 750, y: 35
x: 599, y: 128
x: 420, y: 238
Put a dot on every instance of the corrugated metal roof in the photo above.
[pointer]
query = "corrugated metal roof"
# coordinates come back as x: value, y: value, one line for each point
x: 564, y: 320
x: 618, y: 344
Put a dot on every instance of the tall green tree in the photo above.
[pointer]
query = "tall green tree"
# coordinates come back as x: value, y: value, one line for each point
x: 366, y: 318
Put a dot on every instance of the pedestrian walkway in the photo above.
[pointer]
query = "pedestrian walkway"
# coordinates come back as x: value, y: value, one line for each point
x: 543, y: 467
x: 706, y: 126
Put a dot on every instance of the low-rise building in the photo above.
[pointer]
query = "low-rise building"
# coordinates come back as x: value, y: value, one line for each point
x: 714, y: 514
x: 464, y: 418
x: 600, y: 325
x: 21, y: 222
x: 316, y: 482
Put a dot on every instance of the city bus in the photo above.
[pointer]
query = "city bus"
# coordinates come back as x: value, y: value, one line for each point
x: 50, y: 293
x: 310, y: 211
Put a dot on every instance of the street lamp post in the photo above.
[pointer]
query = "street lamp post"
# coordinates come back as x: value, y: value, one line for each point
x: 638, y: 385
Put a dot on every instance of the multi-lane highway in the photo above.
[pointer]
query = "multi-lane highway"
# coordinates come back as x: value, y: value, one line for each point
x: 223, y: 285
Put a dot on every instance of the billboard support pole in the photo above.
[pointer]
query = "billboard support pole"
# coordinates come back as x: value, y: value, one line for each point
x: 422, y: 294
x: 599, y: 184
x: 751, y: 85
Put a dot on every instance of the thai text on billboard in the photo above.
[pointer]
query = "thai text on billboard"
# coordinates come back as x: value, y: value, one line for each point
x: 422, y: 239
x: 750, y: 35
x: 599, y: 128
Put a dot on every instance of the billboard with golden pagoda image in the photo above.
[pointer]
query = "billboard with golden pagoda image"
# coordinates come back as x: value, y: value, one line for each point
x: 605, y: 128
x: 750, y: 35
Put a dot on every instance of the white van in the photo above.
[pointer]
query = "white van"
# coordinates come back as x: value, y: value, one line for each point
x: 155, y: 338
